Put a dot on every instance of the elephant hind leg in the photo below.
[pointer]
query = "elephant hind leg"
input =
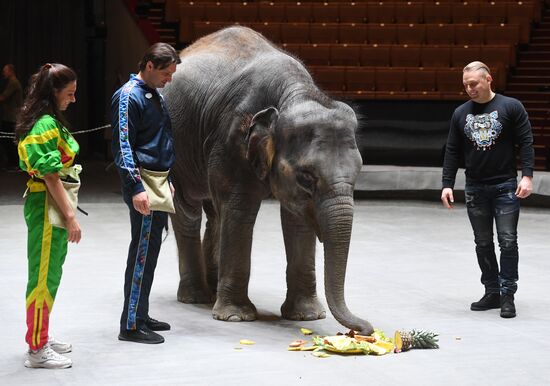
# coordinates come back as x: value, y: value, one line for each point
x: 301, y: 301
x: 193, y: 287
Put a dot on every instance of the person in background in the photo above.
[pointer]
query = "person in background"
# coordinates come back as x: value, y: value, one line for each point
x: 45, y: 147
x: 485, y: 131
x: 142, y: 137
x: 11, y: 99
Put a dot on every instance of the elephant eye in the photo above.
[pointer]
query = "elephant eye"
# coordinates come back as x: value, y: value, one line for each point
x: 306, y: 181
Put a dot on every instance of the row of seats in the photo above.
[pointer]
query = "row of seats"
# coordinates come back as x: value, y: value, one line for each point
x: 385, y: 55
x: 353, y: 12
x: 462, y: 34
x: 394, y: 82
x: 172, y: 2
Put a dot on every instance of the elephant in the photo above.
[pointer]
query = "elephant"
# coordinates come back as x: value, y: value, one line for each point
x: 249, y: 124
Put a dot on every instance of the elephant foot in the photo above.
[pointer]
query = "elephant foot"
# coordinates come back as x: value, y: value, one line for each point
x: 191, y: 295
x: 233, y: 312
x: 303, y: 308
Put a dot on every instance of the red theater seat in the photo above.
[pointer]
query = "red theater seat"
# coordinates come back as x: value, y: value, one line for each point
x: 465, y: 13
x: 295, y: 32
x: 390, y: 79
x: 189, y: 12
x: 375, y: 55
x: 271, y: 12
x: 360, y: 82
x: 437, y: 12
x: 298, y: 12
x: 409, y: 12
x: 381, y: 12
x: 315, y: 54
x: 245, y: 12
x: 440, y: 34
x: 345, y: 55
x: 502, y: 34
x: 492, y: 13
x: 435, y: 56
x: 324, y: 32
x: 325, y: 13
x: 352, y: 12
x: 469, y: 34
x: 352, y: 33
x: 330, y: 78
x: 218, y: 12
x: 462, y: 55
x: 411, y: 33
x: 420, y: 79
x: 382, y: 33
x: 405, y: 56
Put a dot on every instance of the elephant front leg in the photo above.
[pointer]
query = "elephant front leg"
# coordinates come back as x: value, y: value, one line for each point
x: 193, y: 287
x: 210, y: 245
x: 237, y: 220
x: 301, y: 301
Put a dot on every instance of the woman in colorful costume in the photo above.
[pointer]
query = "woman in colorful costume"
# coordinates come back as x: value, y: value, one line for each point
x: 46, y: 150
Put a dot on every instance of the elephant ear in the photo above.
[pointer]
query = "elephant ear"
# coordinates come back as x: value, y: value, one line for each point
x: 261, y: 148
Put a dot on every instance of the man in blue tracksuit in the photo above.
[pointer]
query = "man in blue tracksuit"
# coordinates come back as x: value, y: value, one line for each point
x: 142, y: 137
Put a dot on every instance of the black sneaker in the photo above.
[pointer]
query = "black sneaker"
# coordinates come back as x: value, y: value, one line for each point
x: 487, y: 302
x: 156, y: 325
x: 507, y: 307
x: 141, y: 335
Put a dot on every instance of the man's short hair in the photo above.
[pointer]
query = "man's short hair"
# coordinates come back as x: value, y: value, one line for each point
x: 475, y: 66
x: 161, y: 55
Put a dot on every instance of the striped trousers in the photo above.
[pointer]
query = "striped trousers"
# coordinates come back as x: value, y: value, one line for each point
x: 140, y: 266
x: 46, y: 251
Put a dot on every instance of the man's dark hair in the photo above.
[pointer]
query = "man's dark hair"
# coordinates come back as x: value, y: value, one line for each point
x: 161, y: 55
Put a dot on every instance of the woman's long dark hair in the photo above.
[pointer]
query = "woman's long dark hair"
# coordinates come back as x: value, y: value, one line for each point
x: 41, y: 98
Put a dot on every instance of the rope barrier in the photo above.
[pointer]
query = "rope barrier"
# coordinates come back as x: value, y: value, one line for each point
x: 6, y: 134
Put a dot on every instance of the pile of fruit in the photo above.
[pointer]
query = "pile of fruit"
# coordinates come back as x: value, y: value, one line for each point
x: 375, y: 344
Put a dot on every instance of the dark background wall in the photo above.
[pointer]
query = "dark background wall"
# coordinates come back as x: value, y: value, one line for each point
x: 406, y: 133
x: 35, y: 32
x: 101, y: 41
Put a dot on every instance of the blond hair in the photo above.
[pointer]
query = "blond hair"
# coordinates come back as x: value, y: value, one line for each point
x: 475, y: 66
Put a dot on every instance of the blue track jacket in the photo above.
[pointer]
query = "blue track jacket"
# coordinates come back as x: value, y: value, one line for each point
x: 142, y: 133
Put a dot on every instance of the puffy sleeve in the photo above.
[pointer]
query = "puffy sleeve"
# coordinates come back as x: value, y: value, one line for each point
x: 38, y: 151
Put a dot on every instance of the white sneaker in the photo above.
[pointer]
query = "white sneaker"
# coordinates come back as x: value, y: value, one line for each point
x: 47, y: 358
x: 59, y: 347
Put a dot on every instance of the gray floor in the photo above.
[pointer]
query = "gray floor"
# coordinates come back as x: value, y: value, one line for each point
x: 411, y: 265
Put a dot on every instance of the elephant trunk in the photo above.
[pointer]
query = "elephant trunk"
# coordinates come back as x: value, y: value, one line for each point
x: 335, y: 216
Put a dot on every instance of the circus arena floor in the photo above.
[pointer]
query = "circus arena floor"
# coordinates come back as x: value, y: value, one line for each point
x: 411, y: 265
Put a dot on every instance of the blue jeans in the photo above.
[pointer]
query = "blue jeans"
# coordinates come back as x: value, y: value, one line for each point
x: 499, y: 202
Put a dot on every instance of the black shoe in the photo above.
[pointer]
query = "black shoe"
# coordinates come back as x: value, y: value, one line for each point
x: 156, y: 325
x: 507, y: 307
x: 487, y: 302
x: 141, y: 335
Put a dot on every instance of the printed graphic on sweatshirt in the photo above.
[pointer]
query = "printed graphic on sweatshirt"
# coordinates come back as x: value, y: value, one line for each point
x: 483, y: 129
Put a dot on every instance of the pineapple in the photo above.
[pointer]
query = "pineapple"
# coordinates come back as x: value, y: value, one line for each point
x: 405, y: 340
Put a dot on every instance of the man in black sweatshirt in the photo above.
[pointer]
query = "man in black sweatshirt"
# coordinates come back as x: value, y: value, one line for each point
x: 485, y: 131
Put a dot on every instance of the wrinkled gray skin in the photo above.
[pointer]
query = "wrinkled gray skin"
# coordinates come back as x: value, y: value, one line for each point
x: 249, y: 123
